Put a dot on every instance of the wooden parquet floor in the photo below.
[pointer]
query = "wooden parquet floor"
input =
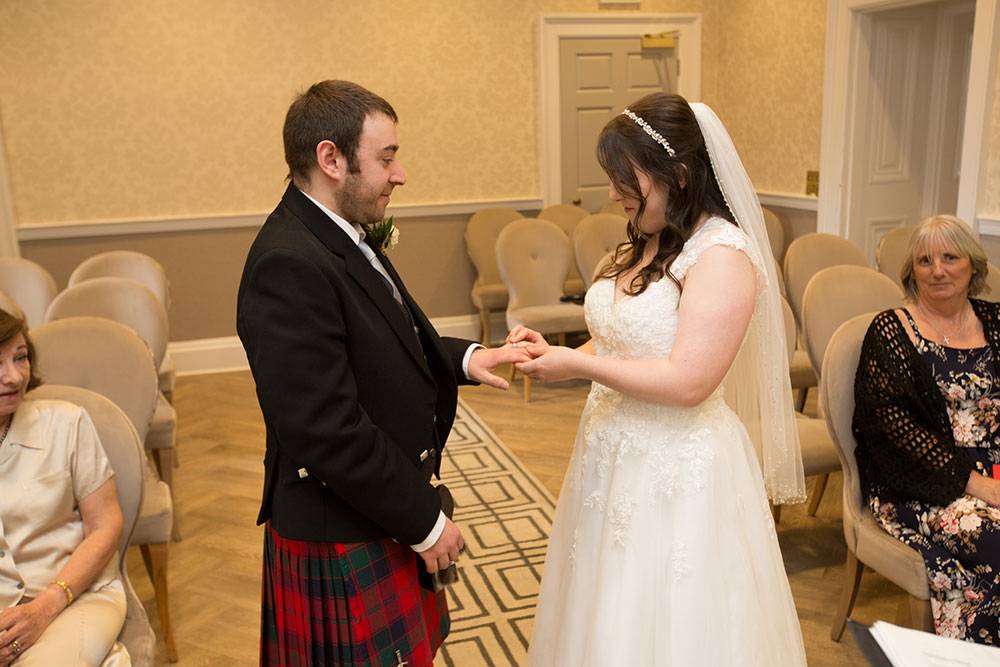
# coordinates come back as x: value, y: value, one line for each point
x: 215, y: 570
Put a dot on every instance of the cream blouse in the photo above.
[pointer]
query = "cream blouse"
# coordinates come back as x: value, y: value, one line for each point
x: 52, y: 458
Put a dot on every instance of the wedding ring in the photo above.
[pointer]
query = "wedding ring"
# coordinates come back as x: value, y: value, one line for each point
x: 16, y: 646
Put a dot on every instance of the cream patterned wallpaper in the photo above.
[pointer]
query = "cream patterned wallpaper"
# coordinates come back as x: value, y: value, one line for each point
x: 123, y: 109
x: 769, y: 65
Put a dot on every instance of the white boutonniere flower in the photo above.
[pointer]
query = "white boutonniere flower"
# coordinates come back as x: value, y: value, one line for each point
x: 384, y: 234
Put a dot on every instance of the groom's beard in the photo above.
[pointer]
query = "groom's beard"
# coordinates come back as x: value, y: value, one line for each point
x: 358, y: 202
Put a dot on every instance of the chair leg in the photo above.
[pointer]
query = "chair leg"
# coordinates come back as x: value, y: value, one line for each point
x: 485, y: 336
x: 155, y: 558
x: 527, y: 389
x: 921, y: 616
x: 776, y: 513
x: 164, y: 459
x: 816, y: 495
x: 853, y: 569
x: 800, y: 399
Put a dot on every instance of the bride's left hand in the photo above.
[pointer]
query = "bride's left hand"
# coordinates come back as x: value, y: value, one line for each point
x: 552, y: 363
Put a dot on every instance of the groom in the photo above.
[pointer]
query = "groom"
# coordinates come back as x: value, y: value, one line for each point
x: 358, y: 394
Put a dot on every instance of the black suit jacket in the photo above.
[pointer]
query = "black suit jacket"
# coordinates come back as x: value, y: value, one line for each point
x: 347, y: 389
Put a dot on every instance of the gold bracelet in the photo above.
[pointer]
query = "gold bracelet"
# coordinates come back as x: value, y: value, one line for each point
x: 66, y: 589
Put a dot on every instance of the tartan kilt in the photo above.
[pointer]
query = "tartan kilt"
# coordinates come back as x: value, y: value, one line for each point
x: 348, y: 605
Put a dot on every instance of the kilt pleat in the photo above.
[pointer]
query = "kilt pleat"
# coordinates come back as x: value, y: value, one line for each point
x: 348, y: 605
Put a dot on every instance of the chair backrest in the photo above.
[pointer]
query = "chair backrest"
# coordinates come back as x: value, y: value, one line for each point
x: 481, y: 240
x: 840, y: 366
x: 29, y: 285
x: 992, y: 282
x: 136, y: 266
x: 613, y: 207
x: 775, y: 233
x: 837, y: 294
x: 891, y: 251
x: 8, y: 305
x: 533, y: 256
x: 127, y: 457
x: 104, y: 356
x: 594, y: 237
x: 567, y: 216
x: 120, y: 442
x: 790, y: 330
x: 810, y: 254
x: 121, y: 300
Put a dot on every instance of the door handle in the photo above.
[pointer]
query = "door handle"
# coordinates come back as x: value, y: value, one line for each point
x: 577, y: 201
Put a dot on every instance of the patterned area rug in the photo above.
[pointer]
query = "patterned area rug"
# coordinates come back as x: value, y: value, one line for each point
x: 506, y: 516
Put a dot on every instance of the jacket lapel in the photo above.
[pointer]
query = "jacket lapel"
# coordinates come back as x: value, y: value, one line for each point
x: 360, y: 270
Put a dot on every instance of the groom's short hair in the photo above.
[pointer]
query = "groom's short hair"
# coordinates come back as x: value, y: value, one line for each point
x: 330, y: 110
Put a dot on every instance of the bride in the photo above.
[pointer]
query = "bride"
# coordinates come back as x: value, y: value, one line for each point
x: 663, y: 550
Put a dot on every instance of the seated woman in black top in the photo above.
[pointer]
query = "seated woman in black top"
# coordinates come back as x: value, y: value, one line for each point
x: 927, y: 421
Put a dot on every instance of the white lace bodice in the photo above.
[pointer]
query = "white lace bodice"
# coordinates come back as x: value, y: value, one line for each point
x: 645, y: 326
x: 618, y: 428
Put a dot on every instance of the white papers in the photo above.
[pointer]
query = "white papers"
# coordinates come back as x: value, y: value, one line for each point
x: 911, y: 648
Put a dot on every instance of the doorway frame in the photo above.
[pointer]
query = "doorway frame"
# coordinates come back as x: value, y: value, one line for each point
x: 555, y: 27
x: 844, y: 49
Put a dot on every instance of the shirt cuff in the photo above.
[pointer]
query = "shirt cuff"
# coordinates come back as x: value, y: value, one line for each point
x: 432, y: 537
x: 468, y: 355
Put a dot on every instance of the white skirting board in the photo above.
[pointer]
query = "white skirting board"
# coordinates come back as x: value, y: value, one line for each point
x: 222, y: 355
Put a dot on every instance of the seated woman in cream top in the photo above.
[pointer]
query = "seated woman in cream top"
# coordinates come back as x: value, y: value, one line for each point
x: 61, y: 602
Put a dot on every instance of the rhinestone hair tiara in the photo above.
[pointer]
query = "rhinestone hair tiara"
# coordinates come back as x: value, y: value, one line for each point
x: 648, y: 129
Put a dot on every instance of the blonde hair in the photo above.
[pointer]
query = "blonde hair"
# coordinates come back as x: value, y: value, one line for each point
x: 952, y: 233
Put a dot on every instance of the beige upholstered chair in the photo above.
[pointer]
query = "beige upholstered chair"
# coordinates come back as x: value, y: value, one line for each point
x: 993, y: 283
x: 837, y: 294
x: 594, y: 237
x: 144, y: 270
x: 891, y: 252
x: 135, y: 306
x: 867, y: 543
x: 819, y: 458
x: 29, y: 285
x: 110, y: 359
x: 613, y: 207
x: 489, y: 294
x: 567, y: 216
x: 775, y: 233
x: 8, y: 305
x: 533, y: 256
x: 803, y: 258
x: 124, y: 450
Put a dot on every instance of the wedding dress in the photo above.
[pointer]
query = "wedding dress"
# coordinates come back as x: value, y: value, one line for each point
x: 663, y: 549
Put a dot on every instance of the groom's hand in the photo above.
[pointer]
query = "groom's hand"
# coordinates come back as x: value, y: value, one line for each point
x: 484, y: 361
x: 446, y: 550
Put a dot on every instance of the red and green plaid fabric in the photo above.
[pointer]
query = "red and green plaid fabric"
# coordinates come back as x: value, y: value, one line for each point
x: 348, y: 605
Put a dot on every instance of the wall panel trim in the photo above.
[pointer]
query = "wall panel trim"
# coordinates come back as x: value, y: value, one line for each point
x: 224, y: 355
x: 788, y: 200
x: 127, y: 227
x: 988, y: 226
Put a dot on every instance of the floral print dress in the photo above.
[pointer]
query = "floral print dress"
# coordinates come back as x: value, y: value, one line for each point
x: 960, y: 543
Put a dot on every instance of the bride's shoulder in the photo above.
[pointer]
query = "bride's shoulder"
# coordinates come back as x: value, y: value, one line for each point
x: 715, y: 231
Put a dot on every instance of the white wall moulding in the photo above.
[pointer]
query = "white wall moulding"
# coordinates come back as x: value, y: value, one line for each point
x: 601, y: 24
x: 98, y: 228
x: 788, y: 200
x: 225, y: 355
x: 988, y: 226
x: 847, y: 23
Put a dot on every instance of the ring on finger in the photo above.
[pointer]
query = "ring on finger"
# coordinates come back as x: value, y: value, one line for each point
x: 16, y: 646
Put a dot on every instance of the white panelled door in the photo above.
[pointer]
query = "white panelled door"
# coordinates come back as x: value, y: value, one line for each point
x: 599, y: 77
x: 907, y: 120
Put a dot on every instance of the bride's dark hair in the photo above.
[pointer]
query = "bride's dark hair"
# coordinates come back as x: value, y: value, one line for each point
x: 624, y: 147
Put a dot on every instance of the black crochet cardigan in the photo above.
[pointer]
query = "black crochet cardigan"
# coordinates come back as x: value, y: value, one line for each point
x: 906, y: 448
